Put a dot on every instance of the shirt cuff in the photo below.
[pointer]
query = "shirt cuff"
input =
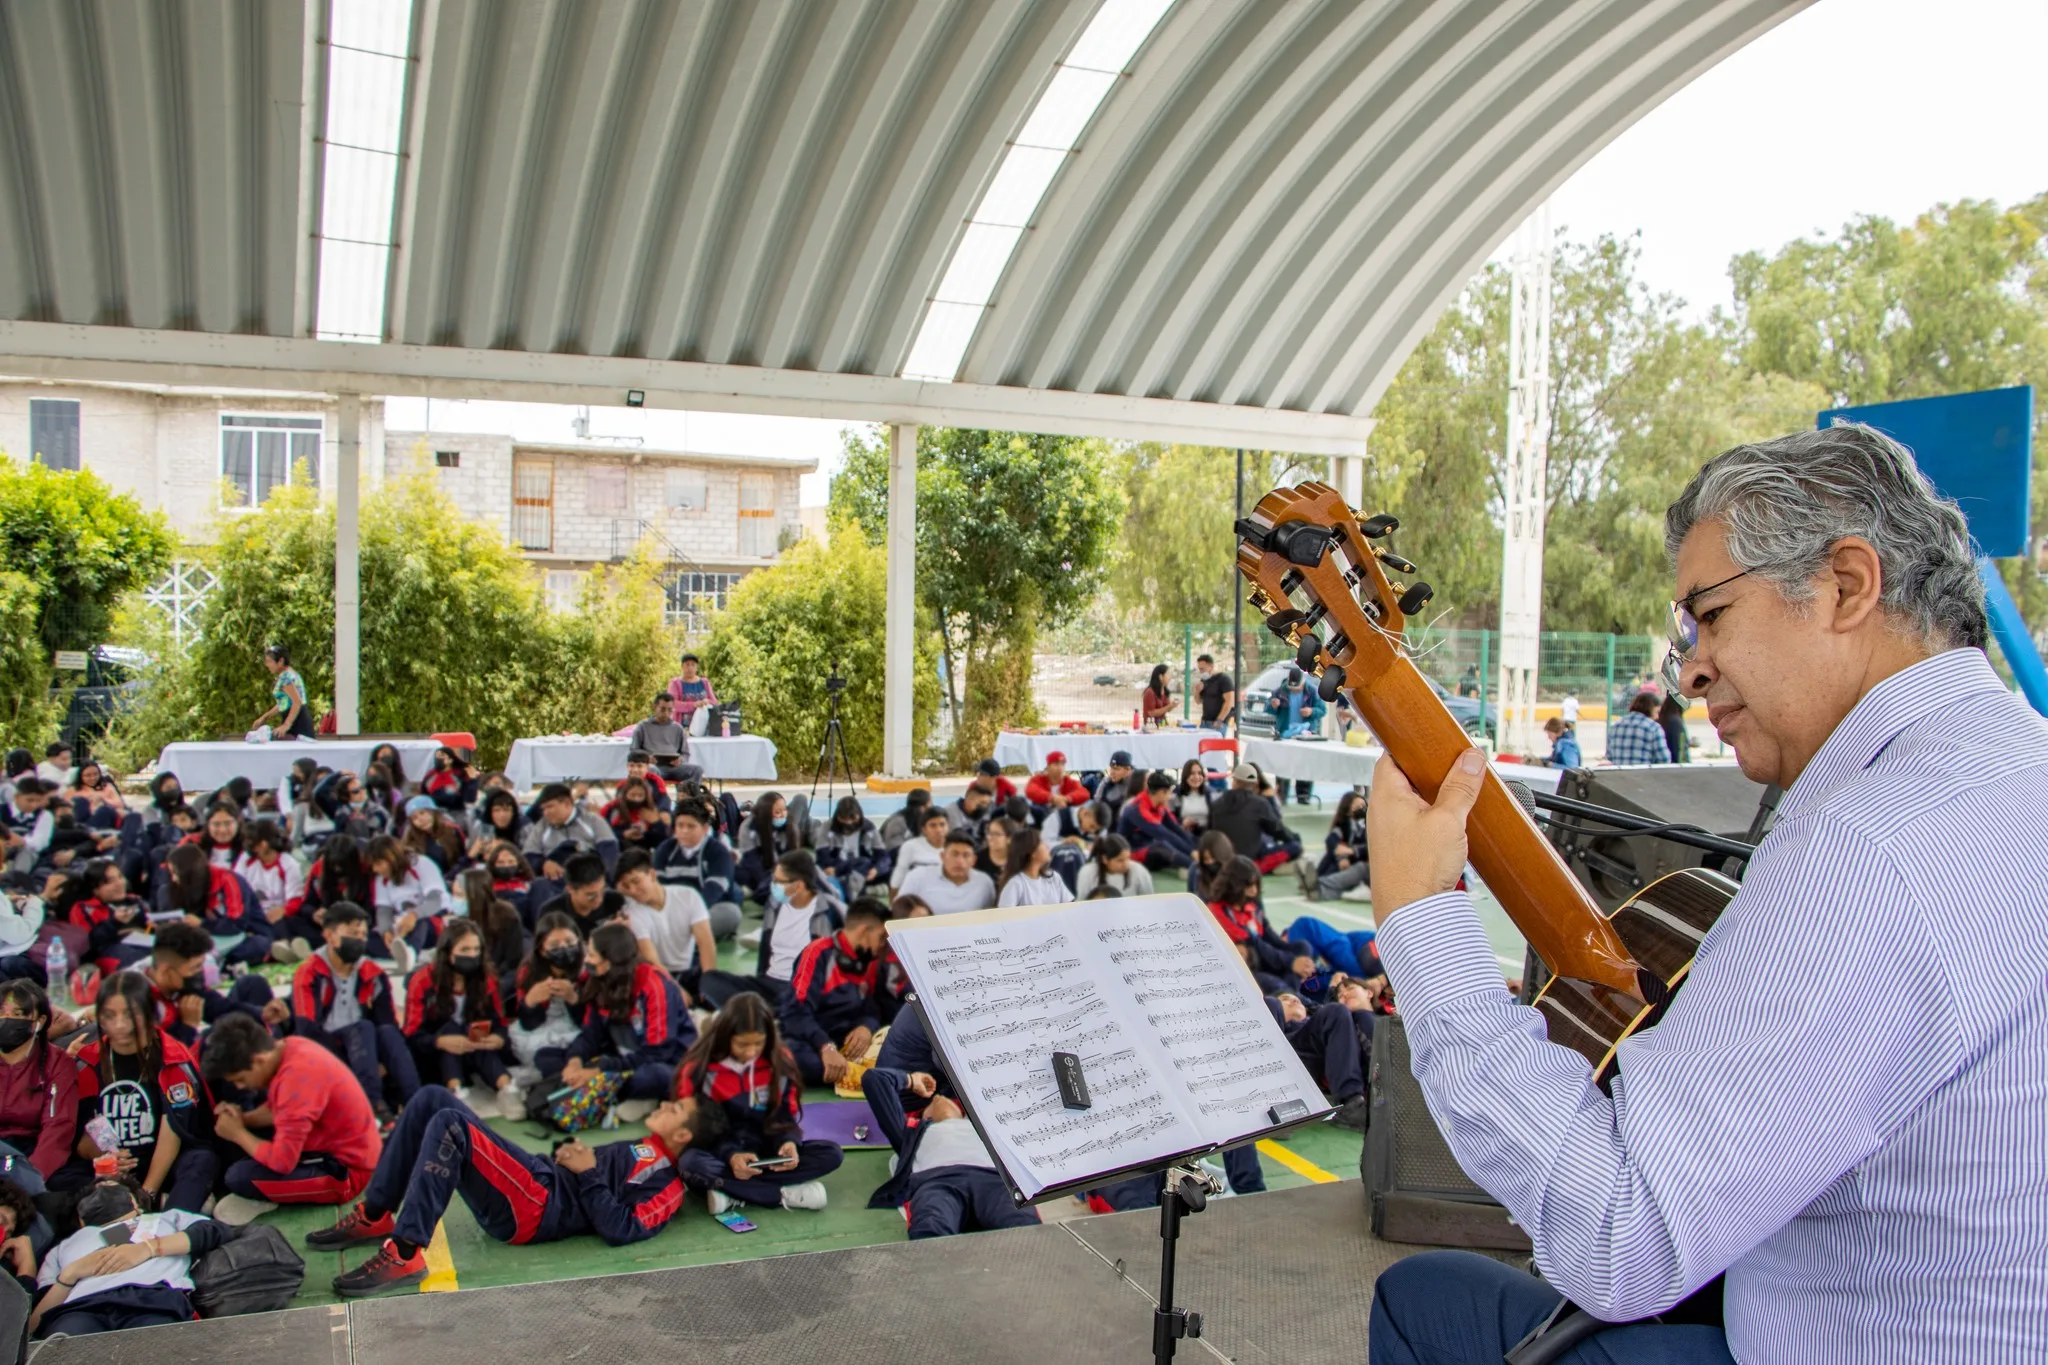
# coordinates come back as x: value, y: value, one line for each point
x: 1436, y: 954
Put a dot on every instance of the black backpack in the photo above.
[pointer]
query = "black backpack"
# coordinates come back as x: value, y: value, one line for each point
x: 255, y: 1271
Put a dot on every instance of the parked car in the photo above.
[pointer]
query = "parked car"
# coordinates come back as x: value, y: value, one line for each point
x: 1257, y: 717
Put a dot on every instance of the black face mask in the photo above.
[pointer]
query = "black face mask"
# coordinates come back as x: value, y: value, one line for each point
x: 506, y: 874
x: 15, y: 1032
x: 104, y: 1204
x: 351, y: 950
x: 466, y: 964
x: 568, y: 957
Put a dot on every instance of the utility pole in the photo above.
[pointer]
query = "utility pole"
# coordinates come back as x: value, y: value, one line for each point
x: 1525, y: 486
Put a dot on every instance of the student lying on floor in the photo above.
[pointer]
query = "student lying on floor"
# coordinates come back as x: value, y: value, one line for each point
x: 944, y: 1179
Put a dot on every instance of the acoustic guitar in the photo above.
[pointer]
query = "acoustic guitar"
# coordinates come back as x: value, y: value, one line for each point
x: 1322, y: 584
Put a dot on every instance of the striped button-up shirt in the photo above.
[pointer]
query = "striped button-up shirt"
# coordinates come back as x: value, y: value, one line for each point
x: 1847, y: 1107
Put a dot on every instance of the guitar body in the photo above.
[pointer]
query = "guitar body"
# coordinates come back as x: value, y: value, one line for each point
x: 1662, y: 926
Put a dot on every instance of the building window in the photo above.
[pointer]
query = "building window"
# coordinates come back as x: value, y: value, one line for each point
x: 533, y: 504
x: 686, y: 491
x: 447, y: 459
x: 564, y: 587
x: 264, y: 451
x: 604, y: 489
x: 757, y: 515
x: 53, y: 432
x: 692, y: 597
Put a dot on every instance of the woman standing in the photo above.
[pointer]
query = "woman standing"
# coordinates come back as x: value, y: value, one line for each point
x: 287, y: 697
x: 1157, y: 699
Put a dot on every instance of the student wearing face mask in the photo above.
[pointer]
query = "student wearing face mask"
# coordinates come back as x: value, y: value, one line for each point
x: 342, y: 1001
x: 38, y: 1089
x: 123, y: 1267
x: 850, y: 850
x: 634, y: 1022
x: 549, y: 985
x: 510, y: 881
x: 186, y: 1004
x: 741, y: 1067
x: 769, y: 832
x: 798, y: 912
x: 454, y: 1020
x: 498, y: 921
x: 146, y: 1087
x: 829, y: 1014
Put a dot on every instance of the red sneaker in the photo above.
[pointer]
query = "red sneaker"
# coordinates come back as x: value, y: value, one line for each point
x: 354, y: 1230
x: 385, y: 1270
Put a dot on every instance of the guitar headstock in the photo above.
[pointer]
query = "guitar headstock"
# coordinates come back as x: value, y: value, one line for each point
x: 1323, y: 584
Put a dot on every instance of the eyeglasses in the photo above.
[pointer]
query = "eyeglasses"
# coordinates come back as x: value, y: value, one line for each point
x: 1684, y: 633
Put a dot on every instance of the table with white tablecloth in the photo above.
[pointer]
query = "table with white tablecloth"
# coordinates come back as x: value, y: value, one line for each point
x: 205, y: 765
x: 1327, y: 761
x: 601, y: 758
x: 1090, y: 753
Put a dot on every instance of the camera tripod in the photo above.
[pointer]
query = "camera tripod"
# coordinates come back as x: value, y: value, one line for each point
x: 832, y: 750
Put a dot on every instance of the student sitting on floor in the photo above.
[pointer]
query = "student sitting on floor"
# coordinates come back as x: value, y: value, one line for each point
x: 455, y: 1023
x: 510, y: 880
x: 670, y: 923
x: 549, y: 986
x: 849, y: 849
x: 1154, y: 832
x: 1327, y: 1042
x: 562, y: 831
x: 1233, y: 896
x: 269, y: 871
x: 323, y: 1141
x: 585, y: 898
x: 923, y: 848
x: 741, y: 1066
x: 635, y: 818
x: 625, y: 1192
x: 504, y: 937
x: 798, y: 914
x: 216, y: 900
x: 185, y: 1003
x: 410, y: 900
x: 944, y: 1178
x: 829, y: 1015
x: 26, y: 824
x: 695, y: 856
x: 1111, y: 865
x: 146, y: 1085
x: 342, y: 1001
x: 955, y: 884
x: 634, y: 1023
x: 769, y: 832
x: 38, y: 1087
x: 116, y: 923
x: 220, y: 839
x: 892, y: 983
x: 1028, y: 878
x: 431, y: 835
x: 498, y: 820
x: 123, y: 1267
x: 338, y: 874
x: 450, y: 782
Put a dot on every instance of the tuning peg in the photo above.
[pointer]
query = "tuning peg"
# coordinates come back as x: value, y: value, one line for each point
x: 1412, y: 600
x: 1283, y: 620
x: 1305, y: 655
x: 1372, y: 528
x: 1302, y: 542
x: 1394, y: 561
x: 1332, y: 679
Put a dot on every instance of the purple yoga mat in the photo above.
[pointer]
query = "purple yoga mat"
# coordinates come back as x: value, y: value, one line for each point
x: 835, y: 1120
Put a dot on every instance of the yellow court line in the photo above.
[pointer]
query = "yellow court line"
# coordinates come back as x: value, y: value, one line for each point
x: 441, y: 1266
x: 1291, y: 1159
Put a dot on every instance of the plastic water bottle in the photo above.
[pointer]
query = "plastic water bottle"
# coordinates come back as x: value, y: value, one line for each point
x: 57, y: 971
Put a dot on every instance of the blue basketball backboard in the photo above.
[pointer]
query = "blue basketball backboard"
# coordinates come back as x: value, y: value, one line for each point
x: 1977, y: 448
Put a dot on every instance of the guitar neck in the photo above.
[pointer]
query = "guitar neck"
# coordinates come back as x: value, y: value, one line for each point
x: 1525, y: 874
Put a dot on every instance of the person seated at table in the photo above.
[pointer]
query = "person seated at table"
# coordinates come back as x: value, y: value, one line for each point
x: 666, y: 741
x: 624, y: 1192
x: 1344, y: 863
x: 955, y: 884
x: 1148, y: 824
x: 563, y: 830
x: 669, y: 920
x: 690, y: 690
x: 344, y: 1002
x: 145, y: 1084
x: 115, y: 920
x: 323, y: 1142
x: 634, y: 817
x: 850, y: 851
x: 1111, y: 865
x: 640, y: 766
x: 455, y: 1023
x: 216, y: 900
x: 1326, y: 1040
x: 905, y: 824
x: 696, y: 856
x: 1118, y: 783
x: 1156, y: 701
x: 1252, y: 822
x: 1277, y: 964
x: 585, y: 898
x: 798, y: 913
x: 741, y: 1067
x: 769, y: 831
x: 409, y: 901
x: 450, y: 783
x: 1028, y: 878
x: 988, y: 775
x: 430, y: 834
x: 1054, y: 788
x: 994, y: 852
x: 828, y: 1014
x: 547, y: 989
x: 924, y: 850
x: 185, y: 1003
x: 634, y: 1023
x: 1564, y: 745
x: 944, y: 1176
x: 124, y: 1267
x: 498, y: 820
x: 971, y: 811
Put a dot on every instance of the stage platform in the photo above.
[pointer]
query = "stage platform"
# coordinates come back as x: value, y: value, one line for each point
x: 1283, y: 1278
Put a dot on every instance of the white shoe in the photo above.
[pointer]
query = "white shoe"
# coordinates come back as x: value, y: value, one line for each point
x: 512, y: 1102
x: 717, y: 1201
x: 401, y: 957
x: 284, y: 952
x: 808, y: 1194
x: 633, y: 1111
x: 461, y: 1092
x: 235, y: 1211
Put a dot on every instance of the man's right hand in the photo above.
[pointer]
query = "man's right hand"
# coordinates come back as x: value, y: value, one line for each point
x: 922, y: 1085
x: 834, y: 1064
x: 192, y: 1010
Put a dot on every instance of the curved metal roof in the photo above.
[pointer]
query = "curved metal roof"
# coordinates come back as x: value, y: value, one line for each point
x: 749, y: 203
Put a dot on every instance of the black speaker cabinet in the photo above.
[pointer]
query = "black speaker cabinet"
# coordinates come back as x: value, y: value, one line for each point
x: 1613, y: 865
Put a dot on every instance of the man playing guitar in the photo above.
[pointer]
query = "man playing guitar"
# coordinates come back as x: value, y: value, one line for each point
x: 1871, y: 1175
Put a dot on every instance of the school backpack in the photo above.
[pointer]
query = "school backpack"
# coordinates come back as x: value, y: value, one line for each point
x: 572, y: 1109
x: 256, y: 1271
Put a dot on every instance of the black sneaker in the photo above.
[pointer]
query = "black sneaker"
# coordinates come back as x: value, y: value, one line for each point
x: 1354, y: 1113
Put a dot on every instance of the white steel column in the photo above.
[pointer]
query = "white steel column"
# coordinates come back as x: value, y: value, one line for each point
x: 1525, y: 486
x: 347, y: 563
x: 900, y: 636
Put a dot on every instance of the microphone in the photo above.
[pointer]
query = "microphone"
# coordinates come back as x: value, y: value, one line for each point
x: 1524, y: 796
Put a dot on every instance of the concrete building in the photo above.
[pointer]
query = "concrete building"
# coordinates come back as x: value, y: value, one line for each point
x: 194, y: 454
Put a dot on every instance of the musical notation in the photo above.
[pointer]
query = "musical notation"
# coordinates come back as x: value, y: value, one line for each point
x: 1254, y: 1099
x: 1177, y: 1017
x: 1110, y: 1142
x: 1057, y: 1023
x: 1153, y: 1104
x: 1149, y: 955
x: 1208, y: 988
x: 1079, y: 1040
x: 975, y: 955
x: 1236, y: 1077
x: 1106, y: 1085
x: 1230, y: 1028
x: 1006, y: 980
x: 1165, y: 928
x: 1221, y: 1054
x: 1041, y: 1077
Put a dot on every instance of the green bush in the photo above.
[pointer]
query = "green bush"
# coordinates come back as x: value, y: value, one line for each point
x: 28, y: 715
x: 783, y: 629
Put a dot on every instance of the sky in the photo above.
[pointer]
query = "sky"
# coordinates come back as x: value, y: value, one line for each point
x: 1849, y: 107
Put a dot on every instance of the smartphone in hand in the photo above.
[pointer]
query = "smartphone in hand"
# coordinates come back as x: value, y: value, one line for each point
x: 771, y: 1163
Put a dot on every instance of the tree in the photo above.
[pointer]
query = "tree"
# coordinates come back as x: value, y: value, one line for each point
x: 784, y: 629
x: 1176, y: 559
x: 1011, y: 528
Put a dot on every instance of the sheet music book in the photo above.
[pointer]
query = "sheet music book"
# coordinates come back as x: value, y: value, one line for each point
x: 1178, y: 1050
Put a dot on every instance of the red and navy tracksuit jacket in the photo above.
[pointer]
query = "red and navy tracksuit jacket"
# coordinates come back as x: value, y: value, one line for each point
x: 533, y: 1016
x: 657, y: 1027
x: 313, y: 988
x: 1246, y: 924
x: 480, y: 1004
x: 449, y: 790
x: 230, y: 906
x: 831, y: 991
x: 188, y: 1104
x: 757, y: 1120
x: 104, y: 927
x: 312, y: 899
